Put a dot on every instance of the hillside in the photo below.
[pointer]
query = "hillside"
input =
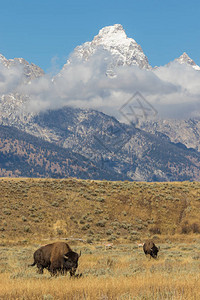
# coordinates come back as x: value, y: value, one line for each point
x: 129, y: 151
x: 35, y: 209
x: 24, y: 155
x: 92, y: 145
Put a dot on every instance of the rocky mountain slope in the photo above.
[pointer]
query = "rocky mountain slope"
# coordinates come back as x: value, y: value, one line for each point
x: 24, y: 155
x: 91, y: 144
x: 129, y: 151
x: 186, y: 132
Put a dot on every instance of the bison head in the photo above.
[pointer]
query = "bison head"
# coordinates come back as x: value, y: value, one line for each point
x: 154, y: 251
x: 71, y: 262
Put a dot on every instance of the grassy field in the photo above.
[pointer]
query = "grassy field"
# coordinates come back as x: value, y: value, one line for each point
x: 119, y: 273
x: 89, y: 214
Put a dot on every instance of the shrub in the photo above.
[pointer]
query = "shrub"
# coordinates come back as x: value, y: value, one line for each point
x: 100, y: 200
x: 196, y: 256
x: 27, y: 229
x: 139, y: 227
x: 55, y: 204
x: 123, y: 225
x: 32, y: 208
x: 89, y: 240
x: 7, y: 212
x: 195, y: 228
x: 133, y: 232
x: 109, y: 232
x: 116, y: 223
x: 59, y: 231
x: 111, y: 238
x: 89, y: 219
x: 185, y: 229
x: 101, y: 223
x: 24, y: 218
x: 133, y: 238
x: 155, y: 230
x: 98, y: 211
x: 86, y: 227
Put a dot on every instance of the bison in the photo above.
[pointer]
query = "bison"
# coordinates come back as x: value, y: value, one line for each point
x: 56, y: 257
x: 150, y: 248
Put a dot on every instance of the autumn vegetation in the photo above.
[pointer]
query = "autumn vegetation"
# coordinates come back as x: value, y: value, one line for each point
x: 90, y: 214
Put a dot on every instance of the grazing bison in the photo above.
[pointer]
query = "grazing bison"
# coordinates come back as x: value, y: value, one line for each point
x: 56, y: 257
x: 150, y: 248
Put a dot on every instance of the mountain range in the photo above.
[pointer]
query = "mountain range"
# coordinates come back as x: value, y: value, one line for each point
x: 85, y: 143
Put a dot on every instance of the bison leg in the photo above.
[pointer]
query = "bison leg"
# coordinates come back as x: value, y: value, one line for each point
x: 53, y: 271
x: 63, y: 271
x: 40, y: 269
x: 72, y: 272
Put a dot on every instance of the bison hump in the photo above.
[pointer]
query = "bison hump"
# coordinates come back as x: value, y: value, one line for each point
x: 58, y: 250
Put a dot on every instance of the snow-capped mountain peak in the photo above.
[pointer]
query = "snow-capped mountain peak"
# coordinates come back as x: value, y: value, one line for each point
x: 123, y: 50
x: 112, y: 36
x: 185, y: 59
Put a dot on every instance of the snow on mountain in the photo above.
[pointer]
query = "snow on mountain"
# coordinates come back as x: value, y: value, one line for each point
x: 30, y: 70
x: 185, y: 59
x: 123, y: 50
x: 113, y: 146
x: 12, y: 103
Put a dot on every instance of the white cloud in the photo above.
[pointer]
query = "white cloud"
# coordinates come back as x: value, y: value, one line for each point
x: 185, y: 102
x: 10, y: 78
x: 173, y: 90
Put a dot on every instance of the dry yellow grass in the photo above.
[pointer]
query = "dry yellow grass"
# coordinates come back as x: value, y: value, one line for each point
x: 96, y: 210
x: 149, y: 287
x: 121, y: 273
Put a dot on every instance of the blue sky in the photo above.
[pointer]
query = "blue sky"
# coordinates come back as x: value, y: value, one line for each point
x: 45, y: 32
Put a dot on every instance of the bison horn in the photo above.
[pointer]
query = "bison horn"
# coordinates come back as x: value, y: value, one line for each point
x: 65, y: 256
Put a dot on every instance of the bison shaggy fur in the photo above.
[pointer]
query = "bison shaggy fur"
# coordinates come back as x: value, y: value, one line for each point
x: 150, y: 248
x: 56, y: 257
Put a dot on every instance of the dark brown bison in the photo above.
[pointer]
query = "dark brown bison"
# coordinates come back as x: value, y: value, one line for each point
x: 150, y: 248
x: 56, y: 257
